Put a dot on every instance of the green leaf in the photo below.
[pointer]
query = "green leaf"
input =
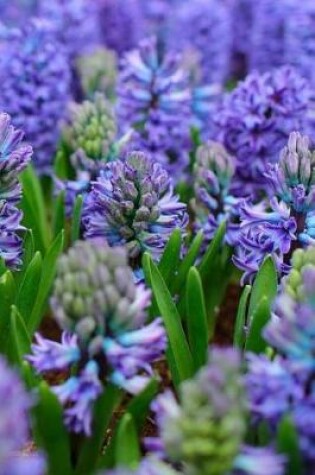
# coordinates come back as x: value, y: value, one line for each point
x: 127, y: 450
x: 187, y: 262
x: 33, y: 207
x: 140, y: 404
x: 239, y: 329
x: 50, y: 432
x: 7, y: 299
x: 206, y: 265
x: 91, y: 448
x: 255, y: 341
x: 76, y: 219
x: 19, y: 342
x: 59, y: 214
x: 288, y: 444
x: 177, y: 338
x: 171, y: 256
x: 29, y: 287
x: 48, y: 275
x: 146, y: 260
x: 197, y: 325
x: 265, y: 285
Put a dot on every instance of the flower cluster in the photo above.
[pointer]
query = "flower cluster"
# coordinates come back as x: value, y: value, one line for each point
x: 203, y: 432
x: 88, y: 143
x: 116, y: 20
x: 75, y: 22
x: 14, y: 157
x: 213, y: 172
x: 198, y: 24
x: 15, y: 404
x: 154, y: 99
x: 286, y: 221
x: 132, y: 203
x: 255, y: 120
x: 35, y: 87
x: 286, y: 384
x: 102, y: 313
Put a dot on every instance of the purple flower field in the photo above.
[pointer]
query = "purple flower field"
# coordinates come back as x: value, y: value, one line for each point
x: 157, y: 237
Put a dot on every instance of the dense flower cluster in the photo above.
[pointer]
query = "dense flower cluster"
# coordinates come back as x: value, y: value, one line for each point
x: 213, y: 172
x: 255, y: 120
x: 116, y: 20
x: 286, y: 384
x: 102, y: 313
x: 14, y: 157
x: 15, y: 404
x: 75, y: 21
x: 35, y: 87
x: 132, y: 203
x: 203, y: 21
x: 286, y: 221
x: 154, y: 99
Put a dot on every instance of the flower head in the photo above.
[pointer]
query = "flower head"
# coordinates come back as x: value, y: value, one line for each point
x: 155, y: 100
x: 132, y: 203
x: 197, y: 27
x: 90, y: 133
x: 259, y: 461
x: 213, y: 171
x: 116, y: 19
x: 255, y: 120
x: 204, y: 430
x: 103, y: 312
x: 35, y: 87
x: 75, y: 23
x: 15, y: 404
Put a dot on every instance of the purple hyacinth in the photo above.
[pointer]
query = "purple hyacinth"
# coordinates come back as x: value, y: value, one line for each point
x: 300, y: 38
x: 35, y: 82
x: 15, y: 404
x: 213, y: 203
x: 242, y: 18
x: 117, y: 18
x: 75, y: 22
x: 205, y: 27
x: 155, y: 100
x: 255, y: 120
x: 105, y: 341
x: 15, y: 12
x: 132, y: 203
x: 268, y: 46
x: 287, y: 220
x: 15, y: 155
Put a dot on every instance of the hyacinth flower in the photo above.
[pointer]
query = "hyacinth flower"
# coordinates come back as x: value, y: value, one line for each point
x: 285, y: 385
x: 300, y: 37
x: 88, y: 144
x: 154, y: 98
x: 15, y: 12
x: 242, y: 18
x: 132, y: 204
x: 15, y: 405
x: 98, y: 71
x: 197, y: 27
x: 254, y: 122
x: 76, y: 23
x: 35, y: 87
x: 213, y: 202
x: 286, y: 221
x: 117, y: 18
x: 14, y: 157
x: 102, y: 313
x: 268, y: 42
x: 203, y: 431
